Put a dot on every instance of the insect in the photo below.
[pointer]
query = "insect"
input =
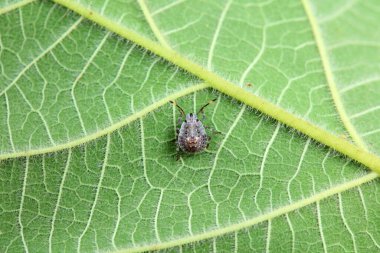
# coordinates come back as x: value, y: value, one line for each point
x: 191, y: 136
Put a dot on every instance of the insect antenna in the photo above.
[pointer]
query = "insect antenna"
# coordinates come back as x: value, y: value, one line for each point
x: 203, y: 107
x: 183, y: 114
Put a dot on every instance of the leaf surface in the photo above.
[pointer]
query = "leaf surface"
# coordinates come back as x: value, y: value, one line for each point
x: 94, y: 107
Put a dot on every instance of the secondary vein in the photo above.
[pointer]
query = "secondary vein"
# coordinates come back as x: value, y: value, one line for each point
x: 317, y: 133
x: 329, y: 76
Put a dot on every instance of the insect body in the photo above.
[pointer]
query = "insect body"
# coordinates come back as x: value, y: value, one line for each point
x: 192, y: 136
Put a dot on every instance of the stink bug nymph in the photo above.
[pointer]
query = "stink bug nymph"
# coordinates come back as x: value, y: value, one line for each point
x: 191, y: 136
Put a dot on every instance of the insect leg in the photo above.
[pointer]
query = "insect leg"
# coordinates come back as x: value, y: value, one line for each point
x: 183, y: 114
x: 208, y: 141
x: 213, y: 130
x: 178, y: 155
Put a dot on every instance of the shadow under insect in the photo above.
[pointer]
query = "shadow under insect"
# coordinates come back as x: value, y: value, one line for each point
x: 191, y: 136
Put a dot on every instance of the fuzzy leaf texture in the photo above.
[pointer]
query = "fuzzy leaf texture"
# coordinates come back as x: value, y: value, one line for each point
x: 88, y: 161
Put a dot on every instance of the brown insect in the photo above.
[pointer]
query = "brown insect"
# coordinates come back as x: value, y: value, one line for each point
x: 191, y: 136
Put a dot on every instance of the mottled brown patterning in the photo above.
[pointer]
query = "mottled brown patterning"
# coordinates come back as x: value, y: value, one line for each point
x: 191, y: 136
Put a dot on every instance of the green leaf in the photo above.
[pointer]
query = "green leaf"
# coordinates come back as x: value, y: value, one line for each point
x: 88, y: 158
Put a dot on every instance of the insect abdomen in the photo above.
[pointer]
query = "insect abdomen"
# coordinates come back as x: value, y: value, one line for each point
x: 192, y: 137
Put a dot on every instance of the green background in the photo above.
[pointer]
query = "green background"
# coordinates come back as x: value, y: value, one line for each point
x: 92, y: 107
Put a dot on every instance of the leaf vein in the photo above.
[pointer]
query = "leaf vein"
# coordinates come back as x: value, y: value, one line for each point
x: 228, y: 134
x: 152, y: 24
x: 217, y: 32
x: 16, y: 5
x: 59, y: 197
x: 89, y: 61
x: 262, y: 217
x: 22, y: 206
x: 340, y: 144
x: 329, y: 76
x: 42, y: 54
x: 341, y: 209
x: 320, y: 226
x: 8, y: 123
x: 298, y: 168
x: 104, y: 165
